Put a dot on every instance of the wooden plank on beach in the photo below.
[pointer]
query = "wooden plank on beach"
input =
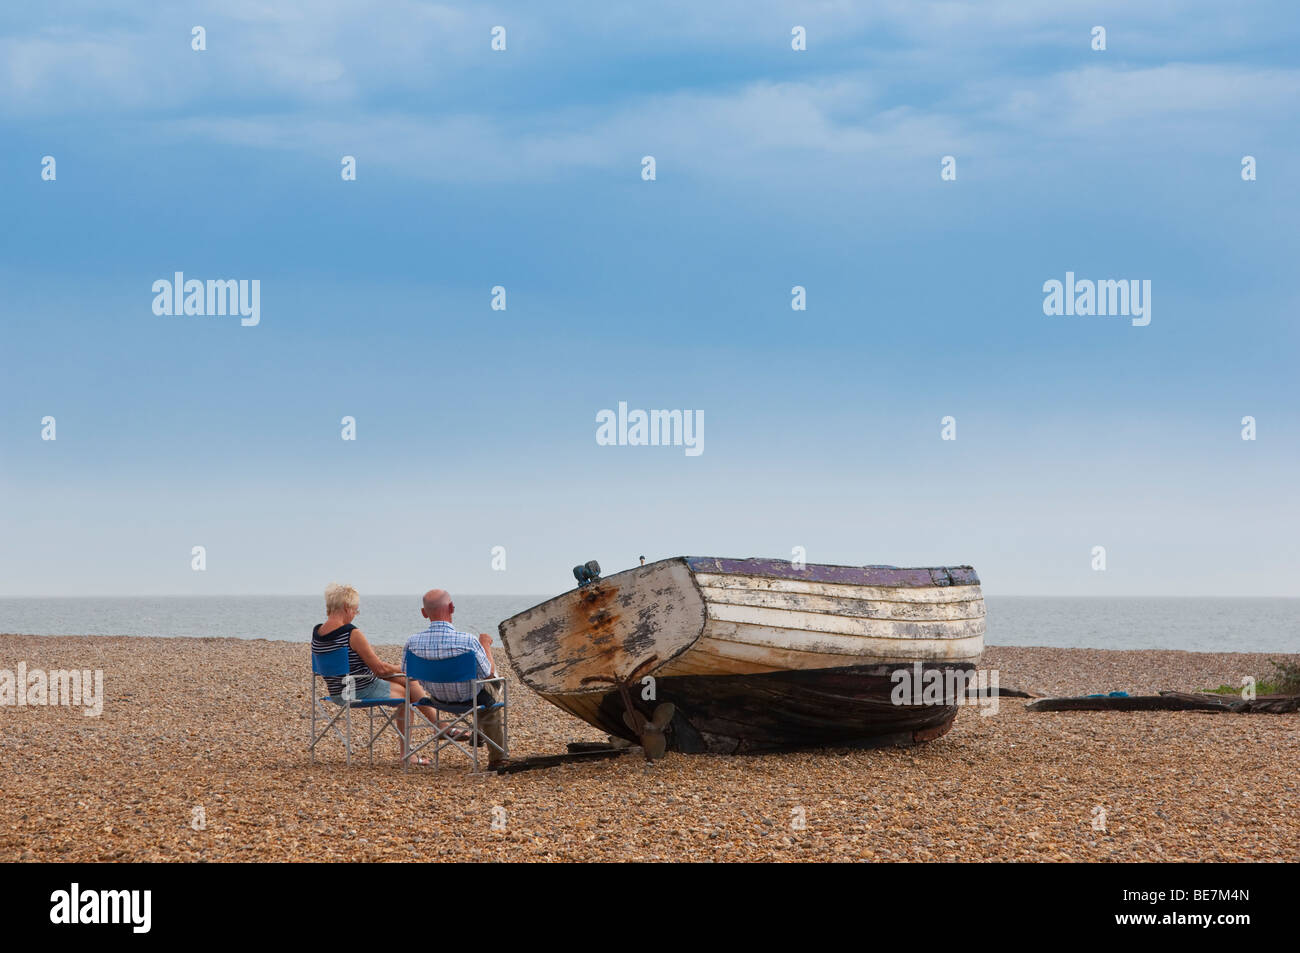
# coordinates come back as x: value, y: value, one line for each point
x: 1127, y: 703
x: 551, y: 760
x: 582, y: 747
x: 1269, y: 704
x: 1002, y: 690
x: 1170, y: 701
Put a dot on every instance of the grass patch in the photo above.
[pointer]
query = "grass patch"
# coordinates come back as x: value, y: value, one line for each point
x: 1288, y: 677
x: 1284, y: 680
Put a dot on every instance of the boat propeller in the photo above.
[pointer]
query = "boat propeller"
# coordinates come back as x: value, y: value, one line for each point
x: 650, y: 730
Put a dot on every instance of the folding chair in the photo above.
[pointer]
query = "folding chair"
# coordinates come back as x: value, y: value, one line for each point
x: 458, y: 668
x: 335, y: 664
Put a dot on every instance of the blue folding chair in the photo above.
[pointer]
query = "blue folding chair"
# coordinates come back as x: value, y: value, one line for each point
x: 335, y: 665
x: 458, y: 668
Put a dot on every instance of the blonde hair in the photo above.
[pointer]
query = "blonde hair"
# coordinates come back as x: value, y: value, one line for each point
x: 340, y: 597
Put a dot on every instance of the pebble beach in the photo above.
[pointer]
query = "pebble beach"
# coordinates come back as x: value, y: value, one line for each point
x: 200, y: 755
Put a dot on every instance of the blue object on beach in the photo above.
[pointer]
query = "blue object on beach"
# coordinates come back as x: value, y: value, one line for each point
x: 462, y: 667
x: 1107, y: 695
x: 457, y: 668
x: 336, y: 663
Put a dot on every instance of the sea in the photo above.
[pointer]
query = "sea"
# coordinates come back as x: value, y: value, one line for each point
x: 1133, y: 622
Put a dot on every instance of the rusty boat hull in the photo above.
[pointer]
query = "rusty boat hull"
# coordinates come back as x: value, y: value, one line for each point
x: 754, y: 654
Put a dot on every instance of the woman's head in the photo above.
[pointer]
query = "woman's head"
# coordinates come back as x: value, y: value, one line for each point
x: 341, y: 600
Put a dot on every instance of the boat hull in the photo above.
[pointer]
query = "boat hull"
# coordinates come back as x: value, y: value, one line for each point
x: 775, y: 711
x: 755, y: 655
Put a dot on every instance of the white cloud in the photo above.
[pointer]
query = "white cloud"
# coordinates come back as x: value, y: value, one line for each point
x: 736, y: 135
x: 307, y: 53
x: 388, y: 82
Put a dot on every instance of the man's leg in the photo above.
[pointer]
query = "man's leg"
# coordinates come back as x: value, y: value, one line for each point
x: 490, y: 722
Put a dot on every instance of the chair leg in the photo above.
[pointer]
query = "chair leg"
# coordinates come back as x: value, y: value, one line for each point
x: 348, y: 716
x: 311, y: 695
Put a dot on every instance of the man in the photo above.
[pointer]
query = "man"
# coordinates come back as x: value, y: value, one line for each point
x: 441, y: 640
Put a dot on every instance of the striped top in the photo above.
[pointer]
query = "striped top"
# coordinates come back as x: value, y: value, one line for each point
x: 331, y: 641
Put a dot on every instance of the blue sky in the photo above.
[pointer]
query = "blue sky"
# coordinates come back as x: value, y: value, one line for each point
x: 522, y: 168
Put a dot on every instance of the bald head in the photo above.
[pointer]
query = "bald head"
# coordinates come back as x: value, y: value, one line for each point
x: 437, y: 605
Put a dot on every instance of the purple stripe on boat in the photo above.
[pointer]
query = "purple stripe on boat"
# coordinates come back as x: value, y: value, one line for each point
x: 889, y: 576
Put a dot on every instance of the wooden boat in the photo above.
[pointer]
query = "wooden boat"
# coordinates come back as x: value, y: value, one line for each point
x: 752, y: 654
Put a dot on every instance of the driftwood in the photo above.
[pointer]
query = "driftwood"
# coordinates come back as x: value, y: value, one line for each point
x: 1270, y: 704
x: 1171, y: 701
x: 595, y: 753
x: 1001, y: 691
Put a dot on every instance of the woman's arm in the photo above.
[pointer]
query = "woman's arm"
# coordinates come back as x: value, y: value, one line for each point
x: 361, y: 645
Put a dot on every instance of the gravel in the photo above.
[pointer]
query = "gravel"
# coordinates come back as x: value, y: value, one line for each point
x: 220, y: 725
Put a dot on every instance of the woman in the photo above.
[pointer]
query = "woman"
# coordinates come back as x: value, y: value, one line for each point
x: 372, y: 676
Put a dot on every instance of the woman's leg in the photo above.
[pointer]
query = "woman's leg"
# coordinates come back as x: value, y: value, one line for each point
x: 395, y: 690
x: 429, y: 712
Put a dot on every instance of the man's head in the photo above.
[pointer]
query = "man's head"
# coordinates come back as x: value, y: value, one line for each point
x: 438, y: 606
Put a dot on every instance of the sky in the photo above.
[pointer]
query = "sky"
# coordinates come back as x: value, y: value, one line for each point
x: 523, y: 169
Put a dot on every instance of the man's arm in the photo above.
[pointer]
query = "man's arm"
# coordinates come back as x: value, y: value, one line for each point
x: 485, y: 640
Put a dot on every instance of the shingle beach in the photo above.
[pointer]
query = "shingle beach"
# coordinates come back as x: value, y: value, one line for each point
x: 212, y: 734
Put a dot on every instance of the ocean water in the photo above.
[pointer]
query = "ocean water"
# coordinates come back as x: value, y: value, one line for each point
x: 384, y: 619
x: 1136, y: 622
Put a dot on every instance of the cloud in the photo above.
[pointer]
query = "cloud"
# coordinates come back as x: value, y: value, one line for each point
x: 735, y: 134
x: 290, y: 52
x: 413, y: 87
x: 765, y: 129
